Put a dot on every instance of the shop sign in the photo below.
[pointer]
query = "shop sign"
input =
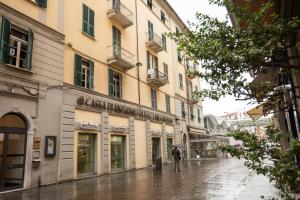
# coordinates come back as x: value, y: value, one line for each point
x: 88, y: 126
x: 119, y: 129
x: 36, y: 142
x: 122, y: 109
x: 156, y: 133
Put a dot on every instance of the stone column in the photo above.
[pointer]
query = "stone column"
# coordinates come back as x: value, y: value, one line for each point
x: 149, y: 143
x: 132, y: 157
x: 164, y: 139
x: 105, y: 143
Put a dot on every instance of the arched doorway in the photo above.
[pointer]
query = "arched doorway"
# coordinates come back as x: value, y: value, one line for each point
x: 184, y: 147
x: 13, y: 137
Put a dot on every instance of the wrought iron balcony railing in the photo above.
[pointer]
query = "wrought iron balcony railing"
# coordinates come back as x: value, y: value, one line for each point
x: 120, y: 58
x: 156, y: 78
x: 120, y: 13
x: 154, y: 42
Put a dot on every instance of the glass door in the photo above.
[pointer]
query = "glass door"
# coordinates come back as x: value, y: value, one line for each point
x: 86, y: 154
x: 155, y: 149
x: 117, y: 147
x: 12, y: 152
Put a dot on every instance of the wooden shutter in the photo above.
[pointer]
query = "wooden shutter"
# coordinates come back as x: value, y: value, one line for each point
x: 167, y: 103
x: 91, y: 22
x: 164, y: 41
x: 85, y: 19
x: 4, y: 42
x: 148, y: 60
x: 166, y: 70
x: 77, y: 70
x: 91, y: 74
x: 29, y: 50
x: 150, y: 30
x: 120, y: 86
x: 42, y: 3
x: 116, y: 41
x: 110, y: 82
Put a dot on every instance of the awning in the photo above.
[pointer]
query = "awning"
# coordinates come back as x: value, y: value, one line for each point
x: 260, y: 110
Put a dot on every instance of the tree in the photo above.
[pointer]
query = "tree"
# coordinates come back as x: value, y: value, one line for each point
x: 257, y: 44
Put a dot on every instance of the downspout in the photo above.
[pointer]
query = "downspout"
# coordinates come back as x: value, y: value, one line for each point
x: 138, y: 64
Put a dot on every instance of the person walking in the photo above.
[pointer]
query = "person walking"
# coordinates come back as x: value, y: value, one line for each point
x: 177, y: 158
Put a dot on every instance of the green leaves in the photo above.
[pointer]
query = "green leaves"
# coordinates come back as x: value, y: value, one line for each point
x: 228, y: 53
x: 266, y: 156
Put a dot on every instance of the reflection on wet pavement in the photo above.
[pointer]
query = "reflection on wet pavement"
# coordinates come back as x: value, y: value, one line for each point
x: 224, y: 179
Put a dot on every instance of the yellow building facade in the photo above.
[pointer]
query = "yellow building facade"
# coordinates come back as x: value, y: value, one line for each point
x: 125, y: 99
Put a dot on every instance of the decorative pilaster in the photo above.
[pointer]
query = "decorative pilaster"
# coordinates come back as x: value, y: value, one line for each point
x: 132, y: 157
x: 105, y: 143
x: 149, y: 143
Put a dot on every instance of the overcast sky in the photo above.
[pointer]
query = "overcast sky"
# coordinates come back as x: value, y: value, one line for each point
x: 187, y: 9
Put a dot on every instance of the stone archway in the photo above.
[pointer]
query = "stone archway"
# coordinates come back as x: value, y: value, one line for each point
x: 17, y: 122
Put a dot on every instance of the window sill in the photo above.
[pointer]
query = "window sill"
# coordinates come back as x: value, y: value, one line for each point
x: 18, y: 69
x: 89, y: 36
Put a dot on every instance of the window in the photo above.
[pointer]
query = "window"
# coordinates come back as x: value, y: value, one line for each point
x: 180, y: 81
x: 191, y: 113
x: 42, y: 3
x: 152, y: 62
x: 16, y: 45
x: 168, y: 107
x: 162, y: 16
x: 149, y: 3
x: 115, y: 83
x: 166, y: 71
x: 153, y: 98
x: 84, y: 72
x: 150, y: 31
x: 88, y: 21
x: 199, y: 115
x: 164, y: 41
x: 182, y: 109
x: 116, y: 42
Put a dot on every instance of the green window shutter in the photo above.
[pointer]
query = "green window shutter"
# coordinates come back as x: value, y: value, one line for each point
x: 29, y: 50
x: 116, y: 41
x: 110, y: 82
x: 91, y: 22
x: 148, y: 60
x: 42, y: 3
x: 77, y: 70
x: 166, y: 70
x: 167, y: 103
x: 85, y: 19
x: 91, y: 74
x: 150, y: 30
x: 164, y: 41
x: 4, y: 42
x: 120, y: 86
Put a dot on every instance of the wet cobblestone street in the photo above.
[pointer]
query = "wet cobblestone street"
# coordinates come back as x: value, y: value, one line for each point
x: 224, y: 179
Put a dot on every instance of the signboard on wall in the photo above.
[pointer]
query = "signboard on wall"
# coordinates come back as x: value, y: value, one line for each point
x: 122, y: 109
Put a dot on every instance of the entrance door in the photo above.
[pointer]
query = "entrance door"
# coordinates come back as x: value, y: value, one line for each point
x: 86, y: 154
x: 169, y: 148
x: 117, y: 148
x: 12, y: 152
x: 155, y: 149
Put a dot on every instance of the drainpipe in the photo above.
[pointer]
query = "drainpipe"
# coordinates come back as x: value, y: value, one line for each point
x: 138, y: 64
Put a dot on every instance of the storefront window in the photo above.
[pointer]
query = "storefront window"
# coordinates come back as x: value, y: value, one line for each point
x: 169, y: 148
x: 155, y: 149
x: 117, y: 152
x: 86, y: 154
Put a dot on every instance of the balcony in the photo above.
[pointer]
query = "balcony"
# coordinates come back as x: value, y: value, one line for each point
x: 154, y: 42
x: 120, y: 58
x: 193, y: 99
x: 156, y: 78
x: 191, y: 71
x: 119, y: 13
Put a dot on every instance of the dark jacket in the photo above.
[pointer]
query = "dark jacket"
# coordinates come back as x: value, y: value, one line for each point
x: 176, y: 154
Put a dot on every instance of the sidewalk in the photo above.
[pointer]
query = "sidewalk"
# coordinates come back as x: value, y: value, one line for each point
x: 198, y: 180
